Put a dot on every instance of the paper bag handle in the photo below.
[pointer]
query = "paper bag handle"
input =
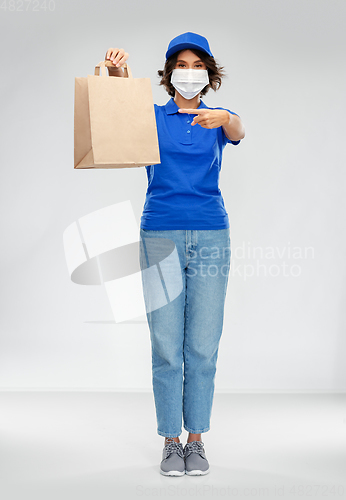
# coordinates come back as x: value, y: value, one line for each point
x: 103, y: 64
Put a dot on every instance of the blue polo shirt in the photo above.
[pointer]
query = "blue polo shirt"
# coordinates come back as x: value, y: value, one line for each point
x: 183, y: 190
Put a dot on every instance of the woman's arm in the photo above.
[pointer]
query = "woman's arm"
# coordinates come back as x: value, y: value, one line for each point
x: 234, y: 128
x: 212, y: 118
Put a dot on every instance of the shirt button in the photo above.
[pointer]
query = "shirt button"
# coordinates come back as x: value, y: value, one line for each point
x: 188, y: 121
x: 188, y: 131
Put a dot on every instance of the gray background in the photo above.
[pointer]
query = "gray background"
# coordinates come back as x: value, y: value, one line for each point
x: 283, y: 187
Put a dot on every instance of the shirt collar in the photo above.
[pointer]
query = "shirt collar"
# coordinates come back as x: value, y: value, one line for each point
x: 172, y: 108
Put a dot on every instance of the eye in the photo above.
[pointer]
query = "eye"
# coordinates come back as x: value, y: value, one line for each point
x: 183, y: 65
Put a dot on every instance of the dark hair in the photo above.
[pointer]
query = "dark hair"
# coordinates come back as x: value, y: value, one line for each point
x: 215, y: 72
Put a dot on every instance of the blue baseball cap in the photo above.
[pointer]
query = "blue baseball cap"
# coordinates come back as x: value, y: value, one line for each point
x: 188, y: 41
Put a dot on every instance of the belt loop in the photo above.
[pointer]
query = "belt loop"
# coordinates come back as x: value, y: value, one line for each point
x: 186, y: 243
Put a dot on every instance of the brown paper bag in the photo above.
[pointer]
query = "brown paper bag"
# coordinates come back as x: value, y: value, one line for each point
x: 114, y: 121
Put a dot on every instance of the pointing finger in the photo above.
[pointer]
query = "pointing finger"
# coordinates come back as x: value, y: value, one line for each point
x: 192, y: 111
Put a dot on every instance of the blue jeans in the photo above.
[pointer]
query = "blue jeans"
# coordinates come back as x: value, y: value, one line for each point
x: 184, y: 276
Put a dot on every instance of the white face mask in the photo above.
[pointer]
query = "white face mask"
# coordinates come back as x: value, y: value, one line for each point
x: 189, y: 82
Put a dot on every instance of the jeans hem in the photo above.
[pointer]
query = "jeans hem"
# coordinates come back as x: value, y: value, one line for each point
x: 167, y: 434
x: 198, y: 431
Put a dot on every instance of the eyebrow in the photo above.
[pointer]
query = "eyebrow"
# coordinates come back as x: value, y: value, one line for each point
x: 182, y: 60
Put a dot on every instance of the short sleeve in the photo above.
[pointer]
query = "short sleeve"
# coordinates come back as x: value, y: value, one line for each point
x: 225, y: 139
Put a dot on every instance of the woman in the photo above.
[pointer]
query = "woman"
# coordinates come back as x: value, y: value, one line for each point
x: 184, y: 205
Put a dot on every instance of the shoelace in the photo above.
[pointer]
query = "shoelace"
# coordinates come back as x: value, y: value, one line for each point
x: 173, y: 447
x: 194, y: 447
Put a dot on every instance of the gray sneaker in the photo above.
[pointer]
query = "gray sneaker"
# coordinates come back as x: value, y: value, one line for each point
x: 196, y: 463
x: 172, y: 459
